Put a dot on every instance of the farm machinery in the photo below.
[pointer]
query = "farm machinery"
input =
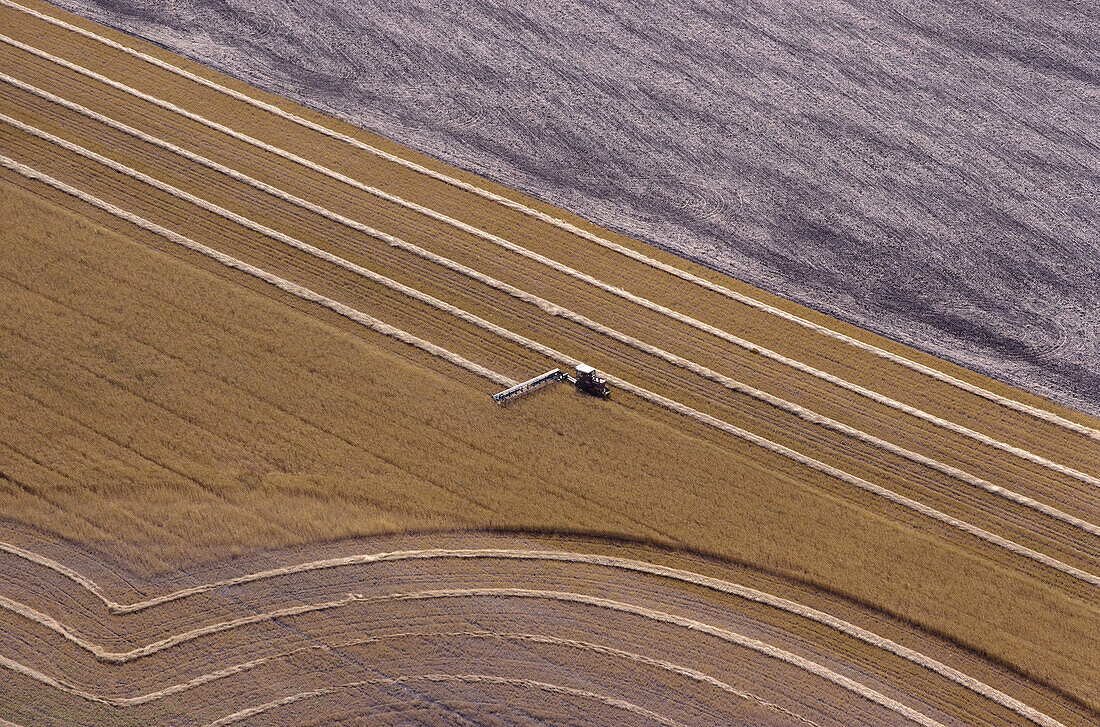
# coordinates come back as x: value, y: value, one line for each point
x: 586, y: 381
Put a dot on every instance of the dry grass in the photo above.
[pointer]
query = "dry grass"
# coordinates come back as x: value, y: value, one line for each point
x: 860, y: 459
x: 943, y: 493
x: 168, y: 414
x: 661, y: 287
x: 371, y: 630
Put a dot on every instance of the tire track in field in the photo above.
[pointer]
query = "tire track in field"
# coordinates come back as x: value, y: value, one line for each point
x: 613, y: 562
x: 548, y: 352
x: 564, y: 225
x: 505, y: 244
x: 558, y: 311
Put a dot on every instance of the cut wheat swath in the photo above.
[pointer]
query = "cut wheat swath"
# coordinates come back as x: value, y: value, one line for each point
x: 306, y: 294
x: 638, y: 300
x: 625, y: 564
x: 580, y: 232
x: 484, y: 679
x: 558, y: 596
x: 547, y: 307
x: 528, y: 638
x: 553, y: 354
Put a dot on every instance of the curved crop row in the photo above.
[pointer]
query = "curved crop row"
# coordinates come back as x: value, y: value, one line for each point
x: 715, y: 584
x: 727, y: 635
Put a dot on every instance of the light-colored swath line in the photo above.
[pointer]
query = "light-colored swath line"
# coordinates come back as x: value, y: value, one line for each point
x: 542, y: 639
x: 501, y: 242
x: 1036, y: 412
x: 546, y: 306
x: 122, y: 657
x: 554, y: 309
x: 614, y: 702
x: 607, y: 561
x: 693, y: 674
x: 92, y: 587
x: 293, y: 288
x: 693, y: 625
x: 559, y: 596
x: 276, y: 235
x: 859, y: 482
x: 545, y: 351
x: 555, y: 355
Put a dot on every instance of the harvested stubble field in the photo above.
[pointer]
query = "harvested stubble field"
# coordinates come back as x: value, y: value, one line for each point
x: 602, y: 618
x: 168, y: 411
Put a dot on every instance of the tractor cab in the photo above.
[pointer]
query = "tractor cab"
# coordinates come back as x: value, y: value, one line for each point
x: 588, y: 383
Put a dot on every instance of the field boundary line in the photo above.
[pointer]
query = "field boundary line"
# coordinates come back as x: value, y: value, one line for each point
x: 542, y: 304
x: 684, y: 671
x: 495, y: 239
x: 1034, y: 411
x: 560, y: 596
x: 607, y: 561
x: 553, y: 354
x: 293, y: 288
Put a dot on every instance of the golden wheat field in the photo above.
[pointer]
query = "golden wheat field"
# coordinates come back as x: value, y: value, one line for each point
x: 251, y: 473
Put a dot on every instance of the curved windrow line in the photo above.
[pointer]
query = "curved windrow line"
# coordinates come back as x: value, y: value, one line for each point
x: 714, y: 584
x: 1036, y: 412
x: 614, y: 702
x: 27, y: 171
x: 602, y: 649
x: 570, y: 361
x: 501, y: 242
x: 726, y: 635
x: 305, y: 293
x: 122, y: 657
x: 556, y: 310
x: 41, y: 177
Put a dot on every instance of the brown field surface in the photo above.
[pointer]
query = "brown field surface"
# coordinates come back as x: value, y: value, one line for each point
x: 168, y: 420
x: 602, y: 623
